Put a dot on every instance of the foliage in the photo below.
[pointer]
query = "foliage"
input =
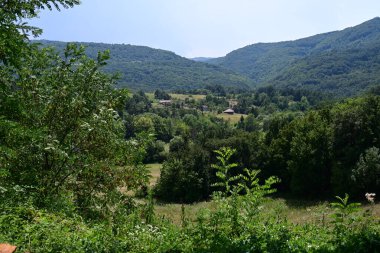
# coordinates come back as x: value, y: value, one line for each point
x: 315, y: 154
x: 62, y: 137
x: 185, y: 177
x: 270, y: 99
x: 155, y: 152
x: 367, y: 172
x: 138, y: 103
x: 72, y: 147
x: 344, y: 63
x: 67, y: 137
x: 150, y: 69
x: 14, y: 30
x: 310, y: 156
x: 355, y: 129
x: 160, y: 94
x: 222, y: 170
x: 237, y: 224
x: 344, y: 72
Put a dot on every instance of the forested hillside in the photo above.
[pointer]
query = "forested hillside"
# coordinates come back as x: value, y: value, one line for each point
x: 342, y: 72
x: 148, y: 69
x: 343, y: 62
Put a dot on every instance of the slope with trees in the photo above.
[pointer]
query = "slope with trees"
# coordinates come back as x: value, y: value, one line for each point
x: 150, y: 69
x: 342, y: 62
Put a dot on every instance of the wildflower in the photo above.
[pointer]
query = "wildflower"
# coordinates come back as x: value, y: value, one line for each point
x: 370, y: 197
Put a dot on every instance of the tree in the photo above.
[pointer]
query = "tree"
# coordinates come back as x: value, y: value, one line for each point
x: 356, y: 128
x: 14, y: 31
x: 367, y: 171
x: 69, y: 136
x: 160, y: 94
x: 61, y: 134
x: 185, y: 176
x: 310, y: 156
x: 138, y: 103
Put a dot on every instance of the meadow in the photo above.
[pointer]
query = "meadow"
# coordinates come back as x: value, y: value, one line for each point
x: 296, y: 211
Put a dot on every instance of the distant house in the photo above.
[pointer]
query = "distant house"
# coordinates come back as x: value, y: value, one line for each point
x: 204, y: 108
x: 229, y: 111
x: 165, y: 102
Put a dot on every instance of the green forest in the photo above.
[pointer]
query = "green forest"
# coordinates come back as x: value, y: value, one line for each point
x: 87, y: 165
x: 144, y: 68
x: 343, y: 63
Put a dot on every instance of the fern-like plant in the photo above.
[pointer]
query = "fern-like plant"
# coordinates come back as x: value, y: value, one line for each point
x: 224, y: 171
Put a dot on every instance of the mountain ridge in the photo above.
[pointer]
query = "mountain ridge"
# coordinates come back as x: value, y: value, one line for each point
x: 264, y: 62
x: 344, y: 63
x: 146, y: 68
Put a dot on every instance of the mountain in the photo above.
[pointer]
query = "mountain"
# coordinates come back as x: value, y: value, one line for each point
x: 341, y: 72
x: 342, y: 62
x: 148, y: 69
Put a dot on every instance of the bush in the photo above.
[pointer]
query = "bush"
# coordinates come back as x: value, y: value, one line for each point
x: 185, y: 177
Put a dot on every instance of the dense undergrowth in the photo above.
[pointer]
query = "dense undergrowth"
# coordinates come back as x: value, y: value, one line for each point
x: 237, y: 224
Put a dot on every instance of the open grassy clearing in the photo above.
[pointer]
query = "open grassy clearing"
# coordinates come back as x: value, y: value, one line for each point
x: 295, y: 211
x: 234, y: 118
x: 173, y: 212
x: 184, y: 96
x: 302, y: 213
x: 154, y: 174
x: 177, y: 96
x: 150, y: 95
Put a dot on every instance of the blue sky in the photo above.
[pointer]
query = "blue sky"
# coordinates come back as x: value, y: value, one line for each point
x: 208, y: 28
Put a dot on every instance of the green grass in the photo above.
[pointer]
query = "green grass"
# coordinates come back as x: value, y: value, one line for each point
x: 177, y: 96
x: 150, y: 96
x: 302, y: 212
x: 297, y: 212
x: 234, y: 118
x: 154, y: 169
x: 173, y: 212
x: 184, y: 96
x: 174, y: 96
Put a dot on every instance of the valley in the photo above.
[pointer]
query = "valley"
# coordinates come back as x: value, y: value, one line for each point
x: 274, y: 147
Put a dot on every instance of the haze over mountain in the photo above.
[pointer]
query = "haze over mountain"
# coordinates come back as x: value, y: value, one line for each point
x: 202, y: 59
x: 342, y: 62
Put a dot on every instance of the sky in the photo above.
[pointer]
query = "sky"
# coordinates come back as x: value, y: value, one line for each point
x: 201, y: 28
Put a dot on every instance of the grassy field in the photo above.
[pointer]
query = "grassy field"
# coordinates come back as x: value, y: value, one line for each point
x: 178, y: 96
x: 154, y: 169
x: 184, y: 96
x: 234, y: 118
x: 295, y: 211
x: 301, y: 213
x: 150, y: 96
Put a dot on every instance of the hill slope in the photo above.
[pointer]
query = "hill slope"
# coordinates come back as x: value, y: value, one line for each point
x: 148, y: 69
x: 343, y: 73
x: 337, y: 61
